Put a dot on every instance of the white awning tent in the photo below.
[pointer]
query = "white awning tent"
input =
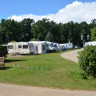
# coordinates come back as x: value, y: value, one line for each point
x: 37, y: 47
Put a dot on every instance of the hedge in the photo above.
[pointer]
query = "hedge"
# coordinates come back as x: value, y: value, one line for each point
x: 3, y: 51
x: 87, y: 60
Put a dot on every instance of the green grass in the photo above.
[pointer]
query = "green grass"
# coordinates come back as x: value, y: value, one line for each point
x: 47, y: 70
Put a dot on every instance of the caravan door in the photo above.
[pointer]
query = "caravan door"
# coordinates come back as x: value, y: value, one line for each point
x: 18, y: 48
x: 43, y: 48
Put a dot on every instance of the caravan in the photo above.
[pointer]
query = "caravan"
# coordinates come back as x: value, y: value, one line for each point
x: 18, y: 48
x: 57, y: 46
x: 50, y: 47
x: 37, y: 47
x: 66, y: 46
x: 92, y: 43
x: 34, y: 47
x: 62, y: 47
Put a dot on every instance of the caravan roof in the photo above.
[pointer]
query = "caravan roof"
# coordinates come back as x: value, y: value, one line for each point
x: 38, y: 42
x: 92, y: 43
x: 17, y: 42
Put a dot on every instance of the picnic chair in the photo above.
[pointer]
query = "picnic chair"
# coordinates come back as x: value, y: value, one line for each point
x: 2, y: 61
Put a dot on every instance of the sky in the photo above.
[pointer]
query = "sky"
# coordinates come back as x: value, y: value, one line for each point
x: 56, y: 10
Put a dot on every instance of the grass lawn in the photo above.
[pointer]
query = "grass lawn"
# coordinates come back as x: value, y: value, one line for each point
x: 47, y: 70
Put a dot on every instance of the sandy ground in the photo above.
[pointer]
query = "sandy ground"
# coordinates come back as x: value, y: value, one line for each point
x: 17, y: 90
x: 72, y: 55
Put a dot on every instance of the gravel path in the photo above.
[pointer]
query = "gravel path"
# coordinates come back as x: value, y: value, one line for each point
x: 71, y: 55
x: 16, y: 90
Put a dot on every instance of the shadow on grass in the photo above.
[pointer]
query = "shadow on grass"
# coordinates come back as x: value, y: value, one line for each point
x: 8, y: 61
x: 5, y: 68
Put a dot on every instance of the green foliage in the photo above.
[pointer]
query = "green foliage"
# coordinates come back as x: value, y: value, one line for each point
x: 3, y: 51
x: 12, y: 41
x: 26, y: 29
x: 49, y: 37
x: 84, y: 75
x: 0, y: 40
x: 87, y: 60
x: 0, y: 36
x: 33, y: 39
x: 93, y: 34
x: 16, y: 31
x: 11, y: 30
x: 40, y: 29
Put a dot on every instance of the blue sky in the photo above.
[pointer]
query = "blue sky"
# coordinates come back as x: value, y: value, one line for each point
x: 36, y: 7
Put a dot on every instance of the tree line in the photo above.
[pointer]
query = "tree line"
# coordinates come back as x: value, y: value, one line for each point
x: 28, y: 29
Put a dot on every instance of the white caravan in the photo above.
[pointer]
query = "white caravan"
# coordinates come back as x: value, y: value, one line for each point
x: 18, y: 48
x: 62, y: 47
x: 50, y: 47
x: 57, y: 46
x: 92, y: 43
x: 66, y: 46
x: 37, y: 47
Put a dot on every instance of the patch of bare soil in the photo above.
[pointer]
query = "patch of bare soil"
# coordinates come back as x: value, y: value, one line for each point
x: 15, y: 55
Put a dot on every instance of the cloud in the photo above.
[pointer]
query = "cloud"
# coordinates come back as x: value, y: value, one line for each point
x: 77, y: 12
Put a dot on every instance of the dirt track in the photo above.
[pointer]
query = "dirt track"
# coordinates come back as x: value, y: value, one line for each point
x: 72, y: 55
x: 17, y: 90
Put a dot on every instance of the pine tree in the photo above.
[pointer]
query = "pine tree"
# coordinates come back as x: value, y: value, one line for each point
x: 49, y: 37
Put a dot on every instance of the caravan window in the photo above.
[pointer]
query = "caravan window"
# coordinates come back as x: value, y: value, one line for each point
x: 19, y: 46
x: 10, y: 46
x: 46, y: 45
x: 43, y: 47
x: 55, y: 45
x: 25, y: 46
x: 52, y: 44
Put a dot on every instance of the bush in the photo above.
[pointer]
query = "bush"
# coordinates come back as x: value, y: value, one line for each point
x: 87, y: 60
x: 13, y: 41
x: 33, y: 39
x: 3, y: 51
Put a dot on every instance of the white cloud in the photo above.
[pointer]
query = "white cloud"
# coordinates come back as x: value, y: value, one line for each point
x: 77, y: 12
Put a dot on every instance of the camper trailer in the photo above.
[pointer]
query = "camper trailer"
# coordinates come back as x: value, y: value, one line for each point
x: 62, y: 47
x: 66, y: 46
x: 18, y: 48
x: 37, y: 47
x: 50, y: 47
x: 57, y: 46
x: 93, y: 43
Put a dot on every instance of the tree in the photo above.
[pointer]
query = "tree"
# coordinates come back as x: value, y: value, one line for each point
x: 72, y: 32
x: 40, y: 29
x: 26, y: 34
x: 3, y: 51
x: 27, y: 29
x: 93, y: 34
x: 10, y: 30
x: 60, y: 33
x: 93, y: 21
x: 0, y: 36
x: 49, y: 37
